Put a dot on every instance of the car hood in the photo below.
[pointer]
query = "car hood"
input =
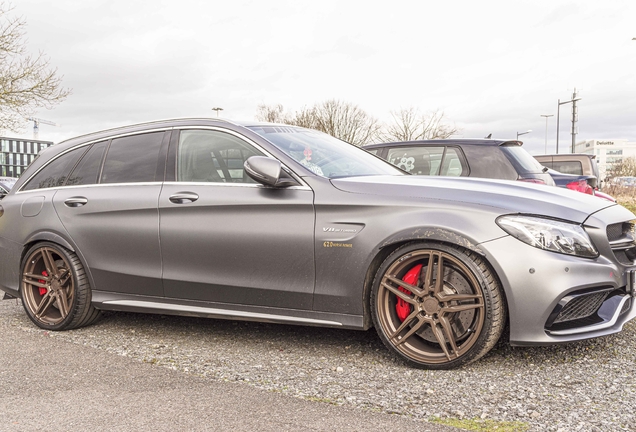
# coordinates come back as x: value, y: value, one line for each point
x: 506, y: 196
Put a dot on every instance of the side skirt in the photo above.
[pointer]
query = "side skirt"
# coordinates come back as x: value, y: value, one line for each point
x: 169, y: 306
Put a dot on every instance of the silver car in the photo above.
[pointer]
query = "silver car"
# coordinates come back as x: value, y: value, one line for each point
x: 282, y: 224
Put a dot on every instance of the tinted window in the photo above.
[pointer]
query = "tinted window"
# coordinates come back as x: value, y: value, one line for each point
x: 487, y: 161
x: 374, y: 151
x: 212, y: 156
x: 132, y: 159
x: 55, y: 173
x: 417, y: 160
x: 87, y: 170
x: 568, y: 167
x: 521, y: 159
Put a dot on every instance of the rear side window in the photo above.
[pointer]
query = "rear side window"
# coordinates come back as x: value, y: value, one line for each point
x: 55, y: 173
x: 212, y: 156
x: 488, y: 161
x: 547, y: 164
x: 132, y: 159
x: 568, y: 167
x: 87, y: 170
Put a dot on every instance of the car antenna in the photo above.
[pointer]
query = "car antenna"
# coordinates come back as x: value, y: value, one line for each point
x: 489, y: 136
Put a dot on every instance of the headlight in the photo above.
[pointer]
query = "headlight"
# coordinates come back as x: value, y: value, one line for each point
x: 548, y: 234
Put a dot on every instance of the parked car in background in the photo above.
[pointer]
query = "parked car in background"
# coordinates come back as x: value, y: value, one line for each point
x: 579, y: 183
x: 572, y: 163
x: 6, y: 183
x: 276, y: 223
x: 485, y: 158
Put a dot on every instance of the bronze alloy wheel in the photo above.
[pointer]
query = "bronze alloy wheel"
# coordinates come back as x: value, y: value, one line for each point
x: 55, y: 291
x: 438, y: 306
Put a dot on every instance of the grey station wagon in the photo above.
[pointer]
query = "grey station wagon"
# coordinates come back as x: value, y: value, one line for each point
x: 282, y: 224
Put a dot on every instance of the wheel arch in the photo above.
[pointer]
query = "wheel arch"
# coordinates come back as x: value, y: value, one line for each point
x: 50, y: 236
x: 424, y: 234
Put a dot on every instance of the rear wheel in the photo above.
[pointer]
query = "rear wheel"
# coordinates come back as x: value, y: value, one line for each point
x: 437, y: 306
x: 55, y: 291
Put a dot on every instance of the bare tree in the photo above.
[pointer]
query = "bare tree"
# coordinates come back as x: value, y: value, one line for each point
x: 346, y: 121
x: 342, y: 120
x: 625, y: 168
x: 270, y: 113
x: 27, y: 82
x: 409, y: 124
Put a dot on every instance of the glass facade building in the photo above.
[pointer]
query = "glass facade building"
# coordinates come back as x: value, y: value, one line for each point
x: 17, y: 153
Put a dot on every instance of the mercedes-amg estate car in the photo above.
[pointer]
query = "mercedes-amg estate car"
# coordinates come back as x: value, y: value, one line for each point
x: 282, y: 224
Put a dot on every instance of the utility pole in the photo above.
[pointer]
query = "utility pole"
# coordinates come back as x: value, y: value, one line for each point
x: 575, y: 118
x: 559, y: 103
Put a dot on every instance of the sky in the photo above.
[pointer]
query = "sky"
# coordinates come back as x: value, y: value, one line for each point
x: 493, y: 67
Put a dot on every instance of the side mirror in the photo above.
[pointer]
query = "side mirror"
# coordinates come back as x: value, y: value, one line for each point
x: 268, y: 171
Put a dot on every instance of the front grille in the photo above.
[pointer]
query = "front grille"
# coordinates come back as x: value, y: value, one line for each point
x: 581, y: 307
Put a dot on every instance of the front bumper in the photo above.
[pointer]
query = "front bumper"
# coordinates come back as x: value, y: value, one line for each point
x: 537, y: 284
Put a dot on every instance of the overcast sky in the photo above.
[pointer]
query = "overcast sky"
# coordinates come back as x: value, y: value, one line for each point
x: 491, y: 66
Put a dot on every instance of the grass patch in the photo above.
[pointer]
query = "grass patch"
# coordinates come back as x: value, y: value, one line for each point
x: 482, y: 425
x: 321, y: 400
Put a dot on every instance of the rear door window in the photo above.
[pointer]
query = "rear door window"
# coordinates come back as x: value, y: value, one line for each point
x: 417, y: 160
x: 429, y: 160
x: 133, y: 159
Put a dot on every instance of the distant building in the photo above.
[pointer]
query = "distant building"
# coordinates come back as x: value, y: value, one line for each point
x: 608, y: 152
x: 17, y: 153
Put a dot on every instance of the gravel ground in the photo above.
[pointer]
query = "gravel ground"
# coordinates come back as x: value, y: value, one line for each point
x: 585, y: 386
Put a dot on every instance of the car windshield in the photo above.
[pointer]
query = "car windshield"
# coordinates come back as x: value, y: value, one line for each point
x: 323, y: 154
x: 7, y: 183
x: 523, y: 161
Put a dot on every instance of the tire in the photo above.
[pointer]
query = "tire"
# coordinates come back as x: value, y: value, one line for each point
x: 55, y: 291
x: 432, y: 324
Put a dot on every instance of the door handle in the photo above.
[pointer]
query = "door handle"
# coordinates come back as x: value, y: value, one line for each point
x: 184, y: 197
x: 75, y: 202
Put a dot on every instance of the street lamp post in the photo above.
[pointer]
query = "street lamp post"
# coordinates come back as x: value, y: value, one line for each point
x: 546, y: 130
x: 523, y: 133
x: 559, y: 103
x: 217, y: 109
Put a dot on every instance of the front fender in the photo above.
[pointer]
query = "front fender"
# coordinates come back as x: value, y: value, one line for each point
x: 433, y: 233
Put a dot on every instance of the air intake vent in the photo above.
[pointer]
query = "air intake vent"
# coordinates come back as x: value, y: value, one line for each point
x: 619, y: 231
x: 581, y: 307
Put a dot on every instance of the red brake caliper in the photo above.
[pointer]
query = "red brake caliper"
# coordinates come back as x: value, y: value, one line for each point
x: 402, y: 308
x: 43, y: 290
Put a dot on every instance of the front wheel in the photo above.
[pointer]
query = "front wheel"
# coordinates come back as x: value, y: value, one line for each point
x: 437, y: 306
x: 55, y: 291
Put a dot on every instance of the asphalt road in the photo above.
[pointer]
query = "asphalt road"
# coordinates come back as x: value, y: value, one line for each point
x: 54, y: 385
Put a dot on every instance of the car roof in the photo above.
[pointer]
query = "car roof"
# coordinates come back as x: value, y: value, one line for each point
x: 143, y: 126
x: 455, y: 141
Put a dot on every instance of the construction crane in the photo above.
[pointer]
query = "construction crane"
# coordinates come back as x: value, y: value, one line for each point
x: 36, y: 125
